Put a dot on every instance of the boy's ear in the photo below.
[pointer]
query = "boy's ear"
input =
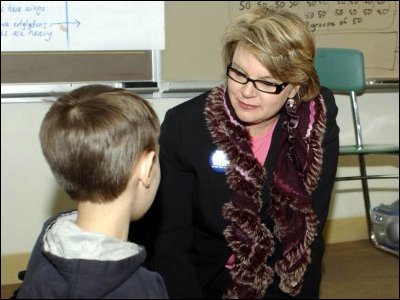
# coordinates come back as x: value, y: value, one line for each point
x: 145, y: 166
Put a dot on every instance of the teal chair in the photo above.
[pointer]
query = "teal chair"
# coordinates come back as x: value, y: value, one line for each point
x: 342, y: 70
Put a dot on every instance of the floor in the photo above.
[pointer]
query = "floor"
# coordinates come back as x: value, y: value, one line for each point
x: 357, y: 270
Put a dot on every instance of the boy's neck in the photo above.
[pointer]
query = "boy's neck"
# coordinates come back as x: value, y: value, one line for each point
x: 111, y: 218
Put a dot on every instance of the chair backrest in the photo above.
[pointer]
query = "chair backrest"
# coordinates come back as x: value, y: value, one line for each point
x: 340, y: 69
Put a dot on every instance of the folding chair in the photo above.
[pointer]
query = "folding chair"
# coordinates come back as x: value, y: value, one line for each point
x: 342, y: 70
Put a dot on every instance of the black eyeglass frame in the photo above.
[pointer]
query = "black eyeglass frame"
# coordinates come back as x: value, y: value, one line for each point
x: 279, y: 87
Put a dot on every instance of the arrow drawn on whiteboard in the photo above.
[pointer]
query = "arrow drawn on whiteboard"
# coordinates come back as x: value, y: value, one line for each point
x: 64, y: 25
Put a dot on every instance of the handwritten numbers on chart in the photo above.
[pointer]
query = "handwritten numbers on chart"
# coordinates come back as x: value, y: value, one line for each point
x: 332, y: 15
x: 244, y: 5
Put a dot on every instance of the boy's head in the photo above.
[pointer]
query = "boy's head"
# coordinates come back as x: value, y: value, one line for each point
x: 93, y: 136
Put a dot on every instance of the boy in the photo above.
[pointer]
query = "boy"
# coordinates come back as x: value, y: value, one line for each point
x: 102, y: 146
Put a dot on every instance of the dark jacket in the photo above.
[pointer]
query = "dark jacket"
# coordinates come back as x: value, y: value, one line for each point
x: 52, y: 277
x: 187, y: 245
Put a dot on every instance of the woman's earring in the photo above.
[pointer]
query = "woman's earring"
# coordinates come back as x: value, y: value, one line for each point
x: 291, y: 106
x: 291, y: 123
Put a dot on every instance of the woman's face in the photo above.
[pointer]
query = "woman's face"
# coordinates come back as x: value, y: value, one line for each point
x: 258, y: 110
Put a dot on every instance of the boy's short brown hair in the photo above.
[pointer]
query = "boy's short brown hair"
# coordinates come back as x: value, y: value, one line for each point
x: 92, y: 137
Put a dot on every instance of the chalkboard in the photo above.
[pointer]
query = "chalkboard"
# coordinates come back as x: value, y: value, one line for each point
x: 194, y: 31
x: 80, y: 41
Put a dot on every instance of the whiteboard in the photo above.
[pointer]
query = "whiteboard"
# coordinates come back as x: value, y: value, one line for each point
x: 82, y: 25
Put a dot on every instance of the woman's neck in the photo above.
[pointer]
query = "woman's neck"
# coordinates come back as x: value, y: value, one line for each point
x: 262, y: 128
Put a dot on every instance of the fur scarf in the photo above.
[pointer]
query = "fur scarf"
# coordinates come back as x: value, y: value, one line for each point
x: 295, y: 177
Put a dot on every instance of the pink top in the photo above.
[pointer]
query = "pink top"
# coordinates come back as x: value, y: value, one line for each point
x: 261, y: 144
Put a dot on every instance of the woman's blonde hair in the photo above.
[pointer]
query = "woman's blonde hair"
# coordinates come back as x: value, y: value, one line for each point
x: 281, y: 41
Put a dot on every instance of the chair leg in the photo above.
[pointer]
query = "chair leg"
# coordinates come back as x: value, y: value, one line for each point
x: 367, y: 201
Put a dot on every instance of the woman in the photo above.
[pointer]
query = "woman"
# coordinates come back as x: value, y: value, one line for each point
x: 247, y: 171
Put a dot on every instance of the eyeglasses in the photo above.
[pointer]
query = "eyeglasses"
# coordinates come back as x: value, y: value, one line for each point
x: 261, y: 85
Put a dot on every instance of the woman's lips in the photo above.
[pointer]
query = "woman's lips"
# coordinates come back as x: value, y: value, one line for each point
x: 246, y: 106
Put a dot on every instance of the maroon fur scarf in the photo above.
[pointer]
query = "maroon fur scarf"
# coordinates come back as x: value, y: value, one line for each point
x: 295, y: 177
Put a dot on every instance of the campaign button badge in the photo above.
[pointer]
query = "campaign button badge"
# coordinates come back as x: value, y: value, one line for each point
x: 218, y: 161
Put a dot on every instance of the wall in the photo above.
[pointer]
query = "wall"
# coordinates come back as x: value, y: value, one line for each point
x: 29, y: 193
